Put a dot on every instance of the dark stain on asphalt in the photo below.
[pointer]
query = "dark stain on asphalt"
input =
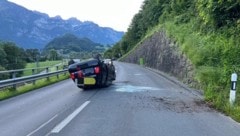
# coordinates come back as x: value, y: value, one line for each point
x: 172, y: 104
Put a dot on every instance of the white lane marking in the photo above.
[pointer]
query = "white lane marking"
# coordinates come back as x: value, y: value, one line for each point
x: 60, y: 126
x: 138, y: 74
x: 42, y: 125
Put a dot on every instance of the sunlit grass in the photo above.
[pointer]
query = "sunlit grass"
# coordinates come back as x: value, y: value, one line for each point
x: 41, y: 64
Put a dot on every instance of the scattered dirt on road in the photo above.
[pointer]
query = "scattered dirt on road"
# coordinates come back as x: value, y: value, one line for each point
x: 173, y: 104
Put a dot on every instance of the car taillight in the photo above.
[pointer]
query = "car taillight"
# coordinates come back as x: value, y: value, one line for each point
x: 97, y: 70
x: 80, y: 74
x: 72, y: 76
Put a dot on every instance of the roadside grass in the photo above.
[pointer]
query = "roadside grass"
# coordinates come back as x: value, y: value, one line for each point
x: 213, y: 56
x: 10, y: 92
x: 41, y: 64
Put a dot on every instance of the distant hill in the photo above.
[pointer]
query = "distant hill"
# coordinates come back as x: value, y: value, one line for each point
x: 31, y: 29
x: 70, y: 43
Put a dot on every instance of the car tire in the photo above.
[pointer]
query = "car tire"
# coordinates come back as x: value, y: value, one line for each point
x: 104, y: 76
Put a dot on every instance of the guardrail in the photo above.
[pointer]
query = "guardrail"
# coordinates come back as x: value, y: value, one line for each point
x: 15, y: 81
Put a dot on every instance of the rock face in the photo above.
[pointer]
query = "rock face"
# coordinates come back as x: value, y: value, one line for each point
x: 161, y: 53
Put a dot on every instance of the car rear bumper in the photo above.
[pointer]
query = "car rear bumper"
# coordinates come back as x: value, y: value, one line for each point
x: 86, y: 81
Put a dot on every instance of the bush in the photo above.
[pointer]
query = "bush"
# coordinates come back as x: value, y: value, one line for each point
x: 3, y: 75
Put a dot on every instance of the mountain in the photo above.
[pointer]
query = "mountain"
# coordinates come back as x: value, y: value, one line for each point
x: 32, y: 29
x: 70, y: 43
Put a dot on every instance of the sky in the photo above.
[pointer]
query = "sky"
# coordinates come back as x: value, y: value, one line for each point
x: 116, y: 14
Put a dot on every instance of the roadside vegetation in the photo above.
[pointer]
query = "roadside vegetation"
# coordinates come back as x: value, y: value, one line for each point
x: 13, y: 57
x: 11, y: 92
x: 207, y: 32
x: 50, y: 64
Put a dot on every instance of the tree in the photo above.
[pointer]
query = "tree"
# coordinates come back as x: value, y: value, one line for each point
x: 217, y: 13
x: 5, y: 75
x: 15, y: 56
x: 32, y: 55
x: 108, y: 53
x: 3, y: 55
x: 147, y: 18
x: 53, y: 55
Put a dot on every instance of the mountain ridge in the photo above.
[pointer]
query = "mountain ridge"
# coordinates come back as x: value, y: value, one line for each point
x: 70, y: 43
x: 33, y: 29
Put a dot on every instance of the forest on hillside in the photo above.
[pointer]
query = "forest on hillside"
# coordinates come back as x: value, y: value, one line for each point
x: 13, y: 57
x: 70, y: 43
x: 207, y: 17
x: 71, y: 46
x: 207, y: 32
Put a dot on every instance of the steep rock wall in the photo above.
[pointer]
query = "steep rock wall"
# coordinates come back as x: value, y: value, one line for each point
x: 161, y: 53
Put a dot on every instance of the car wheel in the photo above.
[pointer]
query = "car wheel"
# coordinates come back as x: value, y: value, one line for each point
x: 104, y: 76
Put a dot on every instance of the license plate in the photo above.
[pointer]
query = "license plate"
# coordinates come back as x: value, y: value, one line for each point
x: 89, y: 81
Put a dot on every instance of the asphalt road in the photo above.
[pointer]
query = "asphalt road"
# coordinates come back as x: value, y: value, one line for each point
x: 139, y: 103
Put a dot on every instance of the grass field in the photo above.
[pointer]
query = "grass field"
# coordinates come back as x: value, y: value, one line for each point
x: 11, y: 92
x: 49, y: 64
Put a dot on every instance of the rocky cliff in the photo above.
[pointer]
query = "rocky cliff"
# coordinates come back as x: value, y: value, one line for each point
x: 162, y: 53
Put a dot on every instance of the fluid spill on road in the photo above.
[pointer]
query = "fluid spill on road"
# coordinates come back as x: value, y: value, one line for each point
x: 132, y: 89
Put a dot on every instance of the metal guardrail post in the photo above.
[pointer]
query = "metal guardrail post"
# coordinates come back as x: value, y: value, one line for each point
x: 57, y: 74
x: 33, y: 72
x: 64, y: 67
x: 14, y: 76
x: 47, y: 70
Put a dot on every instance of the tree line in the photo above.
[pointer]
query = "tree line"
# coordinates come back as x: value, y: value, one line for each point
x: 210, y: 16
x: 14, y: 57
